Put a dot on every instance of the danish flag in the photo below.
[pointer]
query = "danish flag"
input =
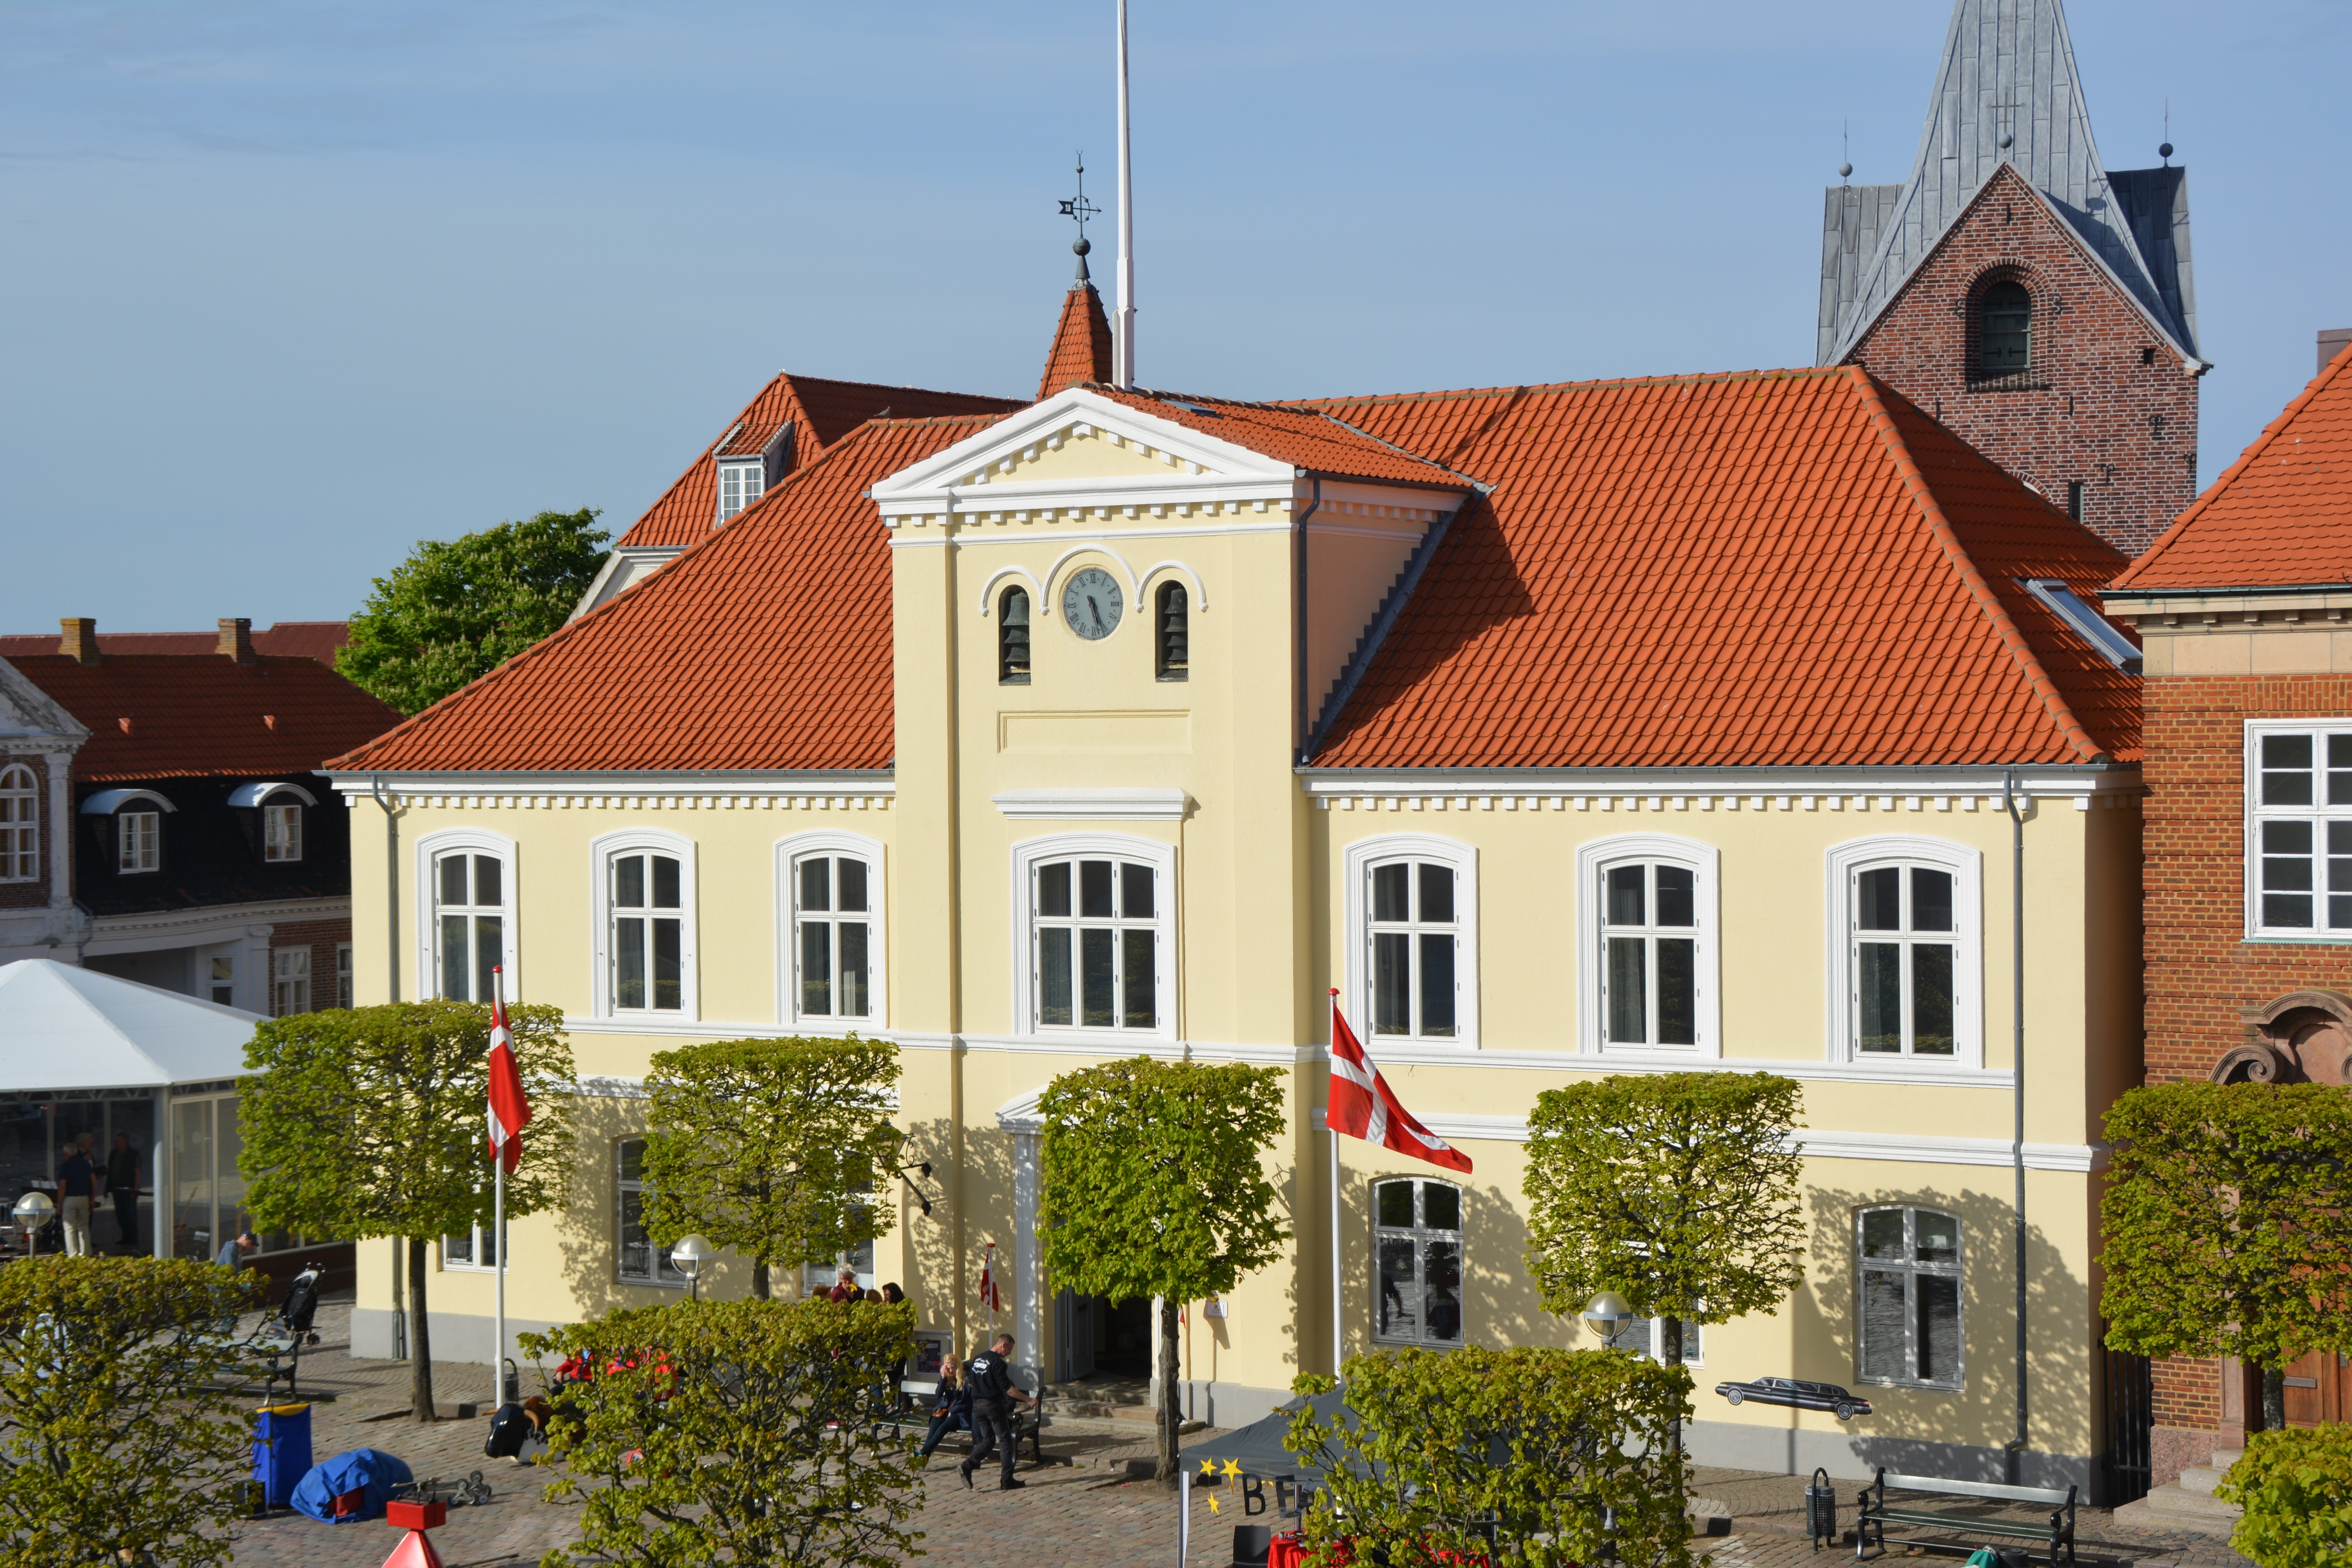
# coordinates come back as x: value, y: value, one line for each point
x: 988, y: 1293
x: 1363, y: 1106
x: 510, y: 1110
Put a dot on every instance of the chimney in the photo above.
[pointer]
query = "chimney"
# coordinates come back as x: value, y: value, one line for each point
x: 77, y: 638
x: 2331, y: 343
x: 236, y: 640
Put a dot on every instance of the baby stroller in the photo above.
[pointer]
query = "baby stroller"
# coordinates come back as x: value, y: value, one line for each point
x: 284, y: 1332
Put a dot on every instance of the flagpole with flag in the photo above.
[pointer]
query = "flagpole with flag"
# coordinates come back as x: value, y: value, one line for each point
x: 508, y: 1113
x: 1361, y: 1105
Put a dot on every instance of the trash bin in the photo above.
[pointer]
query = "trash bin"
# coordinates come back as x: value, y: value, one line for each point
x: 281, y: 1451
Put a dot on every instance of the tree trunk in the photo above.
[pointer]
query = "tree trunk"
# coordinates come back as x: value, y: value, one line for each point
x: 1671, y: 1353
x: 1172, y: 1416
x: 2275, y: 1399
x: 420, y: 1336
x: 760, y: 1281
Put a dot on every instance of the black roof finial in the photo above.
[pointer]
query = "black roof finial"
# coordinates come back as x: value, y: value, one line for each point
x: 1081, y: 209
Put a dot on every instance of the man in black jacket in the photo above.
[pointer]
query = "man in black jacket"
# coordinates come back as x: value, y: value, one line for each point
x: 122, y: 1184
x: 988, y: 1376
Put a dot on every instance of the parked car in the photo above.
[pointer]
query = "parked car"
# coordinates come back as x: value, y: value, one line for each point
x: 1796, y: 1394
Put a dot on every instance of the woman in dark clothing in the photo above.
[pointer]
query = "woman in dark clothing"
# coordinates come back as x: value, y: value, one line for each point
x: 950, y: 1411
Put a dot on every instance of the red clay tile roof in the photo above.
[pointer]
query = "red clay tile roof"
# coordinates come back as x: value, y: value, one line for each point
x: 1081, y: 351
x: 320, y: 640
x: 2280, y: 516
x: 1779, y: 568
x: 205, y: 715
x: 1305, y: 437
x: 822, y: 413
x: 767, y: 645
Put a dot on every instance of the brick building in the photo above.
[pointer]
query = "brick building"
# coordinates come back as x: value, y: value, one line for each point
x: 2038, y: 304
x: 2243, y: 612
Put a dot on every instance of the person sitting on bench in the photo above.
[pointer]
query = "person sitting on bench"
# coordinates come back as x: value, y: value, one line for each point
x: 950, y: 1411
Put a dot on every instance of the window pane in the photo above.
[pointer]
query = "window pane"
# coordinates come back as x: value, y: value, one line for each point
x: 1938, y: 1329
x: 629, y: 882
x: 2339, y: 770
x: 1883, y: 1314
x: 817, y: 884
x: 665, y: 883
x: 1437, y: 894
x: 856, y: 1000
x: 1393, y: 1200
x: 1677, y: 903
x: 1135, y: 891
x: 489, y: 880
x: 817, y: 968
x: 1624, y: 898
x: 1677, y: 988
x: 1399, y: 1316
x: 1931, y: 899
x: 1391, y: 892
x: 1436, y: 983
x: 1053, y: 889
x: 2339, y: 874
x: 1441, y: 1206
x: 1136, y: 980
x: 1094, y: 889
x: 1879, y: 997
x: 1938, y: 1237
x: 489, y: 952
x: 2287, y: 874
x: 2286, y: 770
x: 1391, y: 983
x: 456, y: 953
x: 636, y: 1247
x: 458, y: 1248
x: 1882, y: 1235
x: 633, y: 1159
x: 453, y: 878
x: 1442, y: 1291
x: 1931, y: 999
x: 1100, y: 1008
x: 629, y: 962
x: 1878, y: 899
x: 669, y: 972
x: 853, y: 886
x: 1628, y: 988
x: 1054, y: 971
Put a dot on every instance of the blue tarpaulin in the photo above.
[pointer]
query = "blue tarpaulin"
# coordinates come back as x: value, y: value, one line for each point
x: 371, y: 1473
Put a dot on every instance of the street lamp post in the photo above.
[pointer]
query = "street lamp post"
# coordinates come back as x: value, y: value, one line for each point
x: 1608, y: 1313
x: 689, y: 1253
x: 33, y: 1211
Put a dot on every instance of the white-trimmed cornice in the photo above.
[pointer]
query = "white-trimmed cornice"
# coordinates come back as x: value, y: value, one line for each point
x: 127, y: 932
x: 844, y: 791
x: 1609, y: 790
x: 1107, y: 805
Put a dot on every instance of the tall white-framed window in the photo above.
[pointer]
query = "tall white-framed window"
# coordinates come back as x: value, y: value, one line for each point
x: 643, y: 899
x: 342, y: 974
x: 832, y: 933
x: 740, y: 484
x: 138, y: 842
x: 1095, y: 914
x: 640, y: 1260
x: 20, y: 825
x: 1906, y: 944
x: 290, y: 982
x: 1907, y: 1268
x: 281, y: 830
x: 1412, y: 903
x: 2299, y: 829
x: 1417, y: 1262
x: 1647, y: 960
x: 464, y: 907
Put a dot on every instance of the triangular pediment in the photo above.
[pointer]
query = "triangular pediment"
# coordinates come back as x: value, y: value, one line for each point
x: 29, y: 716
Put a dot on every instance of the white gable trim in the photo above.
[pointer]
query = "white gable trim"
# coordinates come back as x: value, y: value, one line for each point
x: 945, y: 476
x: 30, y: 719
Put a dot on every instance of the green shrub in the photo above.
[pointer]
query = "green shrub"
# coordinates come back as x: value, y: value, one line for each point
x: 2296, y: 1487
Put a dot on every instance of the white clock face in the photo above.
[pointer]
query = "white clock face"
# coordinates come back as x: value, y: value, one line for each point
x: 1091, y: 603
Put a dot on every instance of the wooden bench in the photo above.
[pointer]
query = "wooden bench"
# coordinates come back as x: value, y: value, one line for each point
x: 916, y: 1395
x: 1878, y: 1513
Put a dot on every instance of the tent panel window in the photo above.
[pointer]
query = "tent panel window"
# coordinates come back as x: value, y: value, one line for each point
x: 469, y: 924
x: 281, y: 832
x: 1175, y: 638
x: 1012, y: 637
x: 290, y: 988
x: 1417, y: 1262
x: 1415, y: 944
x: 20, y: 826
x: 138, y: 841
x: 2004, y: 331
x: 642, y: 1260
x: 833, y: 907
x: 1097, y: 943
x: 648, y: 969
x: 1909, y: 1261
x: 1650, y: 954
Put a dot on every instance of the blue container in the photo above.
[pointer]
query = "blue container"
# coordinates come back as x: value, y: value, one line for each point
x: 281, y: 1451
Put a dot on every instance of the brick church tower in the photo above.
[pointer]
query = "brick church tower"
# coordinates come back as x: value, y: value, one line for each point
x: 2037, y: 303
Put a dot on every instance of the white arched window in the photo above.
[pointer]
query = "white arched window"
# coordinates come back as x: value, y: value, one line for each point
x: 1413, y: 948
x: 1905, y: 945
x: 464, y: 907
x: 831, y: 933
x: 20, y: 825
x: 1646, y: 908
x: 1096, y: 914
x: 644, y: 908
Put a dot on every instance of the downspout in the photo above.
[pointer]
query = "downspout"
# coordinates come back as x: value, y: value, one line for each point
x: 392, y: 981
x: 2016, y: 1466
x: 1304, y: 718
x: 959, y: 1242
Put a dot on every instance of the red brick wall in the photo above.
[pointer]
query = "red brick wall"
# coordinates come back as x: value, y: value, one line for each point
x: 2090, y: 416
x: 35, y: 894
x: 321, y: 937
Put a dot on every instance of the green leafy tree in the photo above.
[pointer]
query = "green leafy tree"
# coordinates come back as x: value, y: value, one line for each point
x: 371, y: 1123
x: 1154, y: 1184
x: 2228, y: 1218
x: 1564, y: 1457
x: 118, y: 1441
x: 773, y: 1148
x: 1679, y: 1191
x: 2295, y: 1491
x: 736, y: 1432
x: 457, y: 610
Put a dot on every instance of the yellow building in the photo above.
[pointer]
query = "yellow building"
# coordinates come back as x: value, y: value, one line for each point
x: 1616, y: 727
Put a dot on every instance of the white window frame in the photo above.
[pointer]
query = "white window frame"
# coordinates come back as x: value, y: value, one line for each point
x: 2318, y: 814
x: 755, y: 470
x: 665, y: 1275
x: 1593, y: 859
x: 1420, y: 1233
x: 1957, y: 1270
x: 20, y: 836
x: 472, y: 841
x: 789, y: 852
x: 346, y: 981
x: 1357, y: 861
x: 603, y: 850
x: 288, y: 967
x: 281, y: 831
x: 473, y: 1265
x: 1027, y: 854
x: 149, y: 855
x: 1966, y: 867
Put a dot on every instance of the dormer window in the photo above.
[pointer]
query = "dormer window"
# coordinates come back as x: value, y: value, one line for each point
x: 281, y: 831
x: 740, y: 484
x: 138, y: 842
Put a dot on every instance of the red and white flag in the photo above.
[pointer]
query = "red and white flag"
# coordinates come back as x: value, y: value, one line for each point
x: 1363, y: 1106
x: 989, y: 1298
x: 510, y: 1110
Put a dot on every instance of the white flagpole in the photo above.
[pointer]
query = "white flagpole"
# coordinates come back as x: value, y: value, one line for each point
x: 1122, y: 341
x: 498, y: 1243
x: 1336, y: 1340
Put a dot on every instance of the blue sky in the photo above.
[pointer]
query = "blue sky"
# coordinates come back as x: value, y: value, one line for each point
x: 290, y: 286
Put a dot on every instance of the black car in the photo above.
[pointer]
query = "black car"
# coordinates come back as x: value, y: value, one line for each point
x: 1797, y: 1396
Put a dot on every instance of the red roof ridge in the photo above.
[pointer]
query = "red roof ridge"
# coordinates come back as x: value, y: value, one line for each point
x: 2271, y: 432
x: 1794, y: 373
x: 1906, y: 466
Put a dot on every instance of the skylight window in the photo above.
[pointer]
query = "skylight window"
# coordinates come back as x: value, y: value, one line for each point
x: 2085, y: 622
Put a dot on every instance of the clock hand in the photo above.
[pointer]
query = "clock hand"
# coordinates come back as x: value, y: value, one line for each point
x: 1094, y: 608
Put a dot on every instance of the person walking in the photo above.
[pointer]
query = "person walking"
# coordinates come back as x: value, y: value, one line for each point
x: 233, y: 1250
x: 123, y: 1181
x: 77, y: 1181
x: 988, y: 1376
x: 950, y: 1412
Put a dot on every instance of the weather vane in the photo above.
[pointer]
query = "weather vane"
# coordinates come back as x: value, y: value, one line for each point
x: 1078, y: 207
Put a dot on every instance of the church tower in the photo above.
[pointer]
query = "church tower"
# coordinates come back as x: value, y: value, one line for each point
x: 2037, y: 303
